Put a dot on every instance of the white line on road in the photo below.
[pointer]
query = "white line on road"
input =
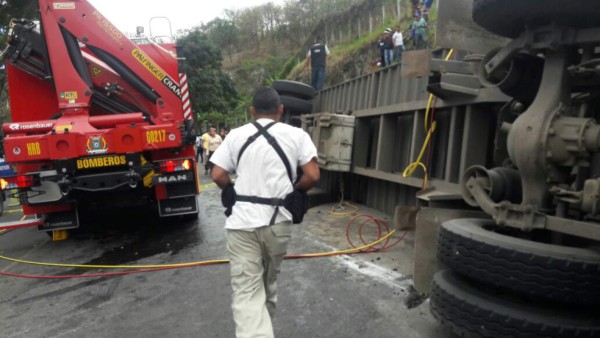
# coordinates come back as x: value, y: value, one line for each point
x: 384, y: 275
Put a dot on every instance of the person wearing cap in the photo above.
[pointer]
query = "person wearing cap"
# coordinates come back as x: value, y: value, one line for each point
x: 388, y: 46
x: 380, y: 47
x: 420, y: 28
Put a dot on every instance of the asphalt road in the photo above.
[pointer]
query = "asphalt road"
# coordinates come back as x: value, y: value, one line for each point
x: 365, y: 295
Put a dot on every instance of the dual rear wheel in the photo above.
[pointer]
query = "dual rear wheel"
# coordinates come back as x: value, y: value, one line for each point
x: 504, y: 282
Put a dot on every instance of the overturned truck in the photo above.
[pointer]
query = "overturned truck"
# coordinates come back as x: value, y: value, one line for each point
x: 508, y: 231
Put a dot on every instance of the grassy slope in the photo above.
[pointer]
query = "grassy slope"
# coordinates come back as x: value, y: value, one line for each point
x: 347, y: 61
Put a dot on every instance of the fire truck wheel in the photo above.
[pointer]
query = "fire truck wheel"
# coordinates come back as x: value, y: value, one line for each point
x: 294, y: 88
x: 295, y: 105
x: 481, y: 250
x: 508, y: 18
x: 469, y: 310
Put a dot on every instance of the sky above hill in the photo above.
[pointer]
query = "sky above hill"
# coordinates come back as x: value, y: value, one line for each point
x: 182, y: 14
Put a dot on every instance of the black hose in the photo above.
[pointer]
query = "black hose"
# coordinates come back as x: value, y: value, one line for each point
x: 127, y: 74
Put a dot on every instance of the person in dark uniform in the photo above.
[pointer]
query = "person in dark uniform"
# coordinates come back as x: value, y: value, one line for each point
x: 317, y: 57
x: 380, y: 46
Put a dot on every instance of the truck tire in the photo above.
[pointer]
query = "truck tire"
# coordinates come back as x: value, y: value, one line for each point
x: 294, y: 88
x: 469, y: 311
x: 295, y: 105
x: 508, y: 18
x: 472, y: 248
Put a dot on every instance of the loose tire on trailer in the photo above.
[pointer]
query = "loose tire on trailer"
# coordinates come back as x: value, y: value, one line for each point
x: 295, y: 105
x: 294, y: 88
x: 508, y: 18
x: 469, y: 311
x: 473, y: 248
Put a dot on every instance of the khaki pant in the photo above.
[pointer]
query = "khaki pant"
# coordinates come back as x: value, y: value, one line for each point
x: 255, y: 260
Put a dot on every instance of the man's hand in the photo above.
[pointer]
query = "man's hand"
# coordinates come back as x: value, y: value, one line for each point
x: 220, y: 176
x: 310, y: 177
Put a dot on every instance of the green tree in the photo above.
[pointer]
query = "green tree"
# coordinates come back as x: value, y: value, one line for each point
x: 212, y: 93
x: 10, y: 9
x: 251, y: 27
x: 222, y: 32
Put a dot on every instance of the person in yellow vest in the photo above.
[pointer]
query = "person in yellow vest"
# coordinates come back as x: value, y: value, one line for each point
x: 204, y: 146
x: 213, y: 141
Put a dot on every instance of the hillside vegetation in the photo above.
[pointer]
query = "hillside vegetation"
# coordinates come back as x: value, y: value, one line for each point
x: 350, y: 32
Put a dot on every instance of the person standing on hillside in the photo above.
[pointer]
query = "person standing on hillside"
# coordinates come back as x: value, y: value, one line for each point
x: 317, y: 58
x: 428, y: 4
x: 380, y: 45
x: 388, y: 46
x: 266, y: 198
x: 420, y: 28
x: 398, y: 41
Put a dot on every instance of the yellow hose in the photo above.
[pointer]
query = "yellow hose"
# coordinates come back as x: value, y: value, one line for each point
x: 180, y: 265
x: 342, y: 205
x: 411, y: 168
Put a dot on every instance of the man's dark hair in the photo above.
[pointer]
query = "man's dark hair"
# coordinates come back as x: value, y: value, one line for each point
x: 266, y: 101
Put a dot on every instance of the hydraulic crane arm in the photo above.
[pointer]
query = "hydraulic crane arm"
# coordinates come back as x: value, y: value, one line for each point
x: 69, y: 24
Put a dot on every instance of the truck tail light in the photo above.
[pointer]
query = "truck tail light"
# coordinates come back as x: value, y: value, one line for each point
x: 14, y: 182
x: 175, y: 165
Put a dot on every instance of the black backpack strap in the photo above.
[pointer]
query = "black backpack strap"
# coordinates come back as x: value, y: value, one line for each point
x: 260, y: 200
x: 273, y: 142
x: 252, y: 139
x: 276, y: 202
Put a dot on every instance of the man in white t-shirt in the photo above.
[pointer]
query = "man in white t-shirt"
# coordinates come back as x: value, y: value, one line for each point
x: 398, y: 41
x: 265, y: 157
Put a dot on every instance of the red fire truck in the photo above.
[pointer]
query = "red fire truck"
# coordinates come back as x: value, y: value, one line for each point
x: 97, y: 120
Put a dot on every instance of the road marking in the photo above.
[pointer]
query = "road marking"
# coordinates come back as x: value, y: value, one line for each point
x: 13, y: 211
x: 3, y: 231
x: 384, y: 275
x: 207, y: 186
